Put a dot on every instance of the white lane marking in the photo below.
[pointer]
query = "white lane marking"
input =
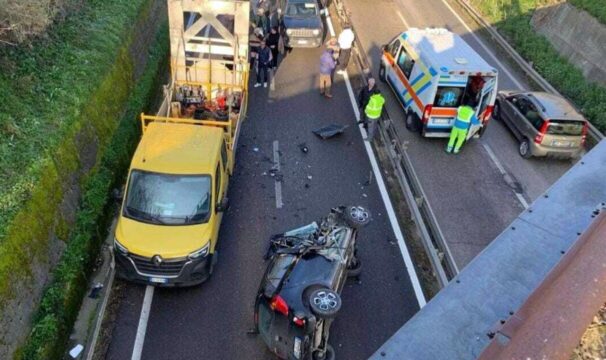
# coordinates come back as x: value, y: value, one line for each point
x: 278, y: 183
x: 503, y: 172
x: 393, y: 220
x: 494, y: 57
x: 402, y: 18
x: 142, y: 328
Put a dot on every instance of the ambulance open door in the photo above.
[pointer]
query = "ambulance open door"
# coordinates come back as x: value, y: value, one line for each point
x: 486, y: 97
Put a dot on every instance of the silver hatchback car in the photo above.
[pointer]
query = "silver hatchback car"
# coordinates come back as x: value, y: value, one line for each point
x: 545, y: 124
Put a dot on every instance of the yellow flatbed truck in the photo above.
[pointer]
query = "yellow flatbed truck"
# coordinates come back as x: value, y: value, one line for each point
x: 176, y: 190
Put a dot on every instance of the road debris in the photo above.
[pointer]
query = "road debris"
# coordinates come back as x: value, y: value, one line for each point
x: 330, y: 131
x: 303, y: 147
x: 95, y: 290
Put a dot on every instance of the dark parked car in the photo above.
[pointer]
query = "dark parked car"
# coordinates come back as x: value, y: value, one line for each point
x: 545, y: 124
x: 302, y: 20
x: 299, y: 293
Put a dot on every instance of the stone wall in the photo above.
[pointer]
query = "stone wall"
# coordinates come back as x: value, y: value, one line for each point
x: 577, y: 36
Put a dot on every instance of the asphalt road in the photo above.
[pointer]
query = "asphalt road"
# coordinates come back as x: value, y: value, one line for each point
x: 210, y: 321
x: 472, y: 199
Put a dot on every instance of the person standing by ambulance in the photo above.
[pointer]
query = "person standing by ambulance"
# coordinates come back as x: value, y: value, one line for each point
x: 465, y: 118
x: 327, y: 65
x: 346, y: 39
x: 373, y: 111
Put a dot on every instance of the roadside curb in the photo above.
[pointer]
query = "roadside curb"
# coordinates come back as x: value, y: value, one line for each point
x: 86, y: 332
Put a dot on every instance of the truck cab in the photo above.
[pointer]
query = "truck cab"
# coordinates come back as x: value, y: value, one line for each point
x: 302, y: 20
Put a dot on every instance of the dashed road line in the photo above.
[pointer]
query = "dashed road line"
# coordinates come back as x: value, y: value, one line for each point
x: 414, y: 279
x: 143, y: 319
x: 278, y: 182
x: 503, y: 172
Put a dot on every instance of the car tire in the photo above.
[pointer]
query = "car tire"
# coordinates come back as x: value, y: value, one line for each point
x: 355, y: 268
x: 496, y: 112
x: 327, y: 354
x: 356, y: 216
x: 382, y: 76
x: 324, y: 303
x: 524, y: 148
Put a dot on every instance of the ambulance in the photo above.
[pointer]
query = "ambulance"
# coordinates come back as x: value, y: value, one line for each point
x: 433, y: 72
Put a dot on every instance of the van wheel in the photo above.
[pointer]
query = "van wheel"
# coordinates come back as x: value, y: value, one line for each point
x: 327, y: 354
x: 524, y: 148
x: 382, y: 76
x: 411, y: 123
x: 324, y: 303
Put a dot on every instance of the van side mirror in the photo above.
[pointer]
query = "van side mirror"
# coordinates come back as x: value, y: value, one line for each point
x: 118, y: 195
x: 223, y: 205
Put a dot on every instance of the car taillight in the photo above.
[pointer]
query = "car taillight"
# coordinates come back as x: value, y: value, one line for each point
x: 539, y: 138
x: 426, y: 113
x: 298, y: 321
x: 488, y: 112
x: 584, y: 134
x: 278, y: 304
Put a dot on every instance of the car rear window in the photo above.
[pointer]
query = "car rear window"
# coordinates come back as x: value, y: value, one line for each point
x: 276, y: 273
x: 565, y: 127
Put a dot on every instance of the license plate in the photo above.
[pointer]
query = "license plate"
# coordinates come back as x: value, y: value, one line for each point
x: 560, y: 143
x: 158, y: 280
x: 441, y: 121
x: 302, y: 42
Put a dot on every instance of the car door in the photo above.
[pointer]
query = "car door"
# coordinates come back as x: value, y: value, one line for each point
x: 218, y: 197
x: 518, y: 122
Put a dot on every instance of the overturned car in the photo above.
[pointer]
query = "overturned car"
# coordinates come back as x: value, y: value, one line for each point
x: 299, y: 294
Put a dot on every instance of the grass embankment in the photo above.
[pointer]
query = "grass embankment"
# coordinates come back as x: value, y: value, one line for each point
x: 61, y: 301
x: 512, y: 19
x: 597, y: 8
x: 64, y: 90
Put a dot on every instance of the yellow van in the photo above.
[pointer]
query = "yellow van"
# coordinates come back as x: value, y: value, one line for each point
x: 171, y: 212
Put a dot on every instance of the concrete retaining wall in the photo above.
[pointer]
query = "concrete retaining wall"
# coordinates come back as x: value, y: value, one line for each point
x: 577, y: 36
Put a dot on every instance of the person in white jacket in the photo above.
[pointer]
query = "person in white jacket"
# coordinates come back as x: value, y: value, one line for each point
x: 346, y: 39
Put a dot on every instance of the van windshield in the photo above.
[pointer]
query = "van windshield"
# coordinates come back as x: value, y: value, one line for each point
x: 168, y: 199
x: 302, y: 9
x: 565, y: 127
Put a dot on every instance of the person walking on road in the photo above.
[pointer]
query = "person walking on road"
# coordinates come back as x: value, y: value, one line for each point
x: 264, y: 60
x: 465, y: 118
x: 346, y: 39
x: 327, y: 65
x: 273, y: 39
x: 363, y: 98
x: 373, y: 111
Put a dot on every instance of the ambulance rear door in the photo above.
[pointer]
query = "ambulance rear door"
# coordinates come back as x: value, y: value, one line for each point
x: 486, y: 101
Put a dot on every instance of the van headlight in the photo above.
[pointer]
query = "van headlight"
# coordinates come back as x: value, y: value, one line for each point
x: 121, y: 248
x: 316, y: 32
x: 200, y: 253
x: 288, y: 31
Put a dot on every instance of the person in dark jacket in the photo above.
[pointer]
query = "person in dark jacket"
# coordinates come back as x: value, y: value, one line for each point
x: 273, y: 39
x: 327, y: 65
x: 264, y: 60
x: 363, y: 98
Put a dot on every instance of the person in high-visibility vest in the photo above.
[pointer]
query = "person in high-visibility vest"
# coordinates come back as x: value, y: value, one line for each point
x: 373, y: 111
x: 465, y: 118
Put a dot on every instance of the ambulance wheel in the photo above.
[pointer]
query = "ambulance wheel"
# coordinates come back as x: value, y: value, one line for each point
x: 411, y: 122
x: 382, y: 74
x: 480, y: 132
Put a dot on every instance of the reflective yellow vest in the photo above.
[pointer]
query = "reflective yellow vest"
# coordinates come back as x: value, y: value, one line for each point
x: 464, y: 115
x: 374, y: 107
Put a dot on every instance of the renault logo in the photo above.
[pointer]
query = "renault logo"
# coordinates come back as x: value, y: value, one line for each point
x: 157, y: 260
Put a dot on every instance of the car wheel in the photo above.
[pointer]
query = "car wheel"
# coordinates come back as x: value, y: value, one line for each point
x: 496, y: 112
x: 382, y: 74
x: 325, y: 303
x: 356, y: 216
x: 355, y: 267
x: 524, y: 148
x: 327, y: 354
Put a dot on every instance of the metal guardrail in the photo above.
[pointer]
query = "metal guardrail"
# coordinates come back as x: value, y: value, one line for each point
x: 435, y: 246
x: 594, y: 133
